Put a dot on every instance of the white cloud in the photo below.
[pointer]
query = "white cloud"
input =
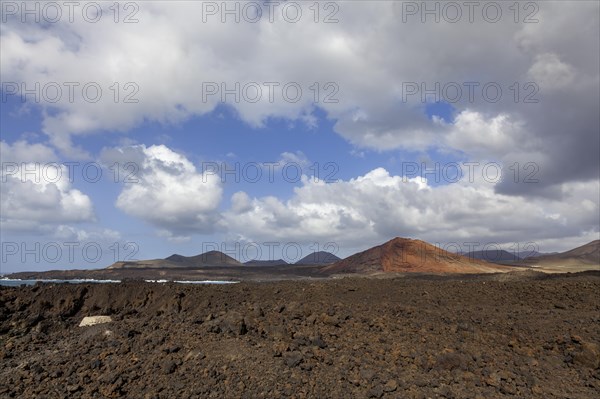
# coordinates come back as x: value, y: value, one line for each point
x: 474, y: 134
x: 368, y: 56
x: 550, y: 72
x: 22, y: 151
x: 173, y: 238
x: 297, y: 158
x: 374, y: 207
x: 240, y: 202
x: 72, y: 234
x: 167, y: 191
x: 37, y: 194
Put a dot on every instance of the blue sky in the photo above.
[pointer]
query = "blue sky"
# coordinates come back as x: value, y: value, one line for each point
x: 368, y: 146
x: 217, y: 138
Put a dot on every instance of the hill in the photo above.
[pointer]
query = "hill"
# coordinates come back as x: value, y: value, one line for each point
x: 585, y: 257
x: 210, y: 258
x: 408, y: 255
x: 493, y: 255
x: 318, y: 258
x: 277, y: 262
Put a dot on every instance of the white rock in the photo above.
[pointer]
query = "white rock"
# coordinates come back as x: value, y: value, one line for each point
x: 93, y: 320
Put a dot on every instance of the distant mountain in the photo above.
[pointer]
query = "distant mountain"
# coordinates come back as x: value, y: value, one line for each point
x: 493, y: 255
x: 587, y: 256
x: 318, y: 258
x: 528, y: 254
x: 500, y: 255
x: 211, y: 258
x: 278, y: 262
x: 408, y: 255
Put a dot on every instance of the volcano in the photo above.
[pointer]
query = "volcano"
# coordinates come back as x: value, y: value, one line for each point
x: 318, y: 258
x: 175, y: 261
x: 409, y: 255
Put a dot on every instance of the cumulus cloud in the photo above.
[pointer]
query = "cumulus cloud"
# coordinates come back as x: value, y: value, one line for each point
x: 369, y: 55
x: 296, y: 158
x: 371, y: 208
x: 37, y: 194
x: 166, y: 190
x: 71, y: 234
x: 550, y: 72
x: 474, y: 134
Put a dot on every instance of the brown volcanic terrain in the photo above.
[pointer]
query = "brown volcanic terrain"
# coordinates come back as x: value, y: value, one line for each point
x: 585, y: 257
x: 407, y: 255
x: 400, y: 255
x: 512, y: 335
x: 228, y: 273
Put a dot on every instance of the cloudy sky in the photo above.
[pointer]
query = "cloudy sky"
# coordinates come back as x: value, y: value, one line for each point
x: 142, y: 129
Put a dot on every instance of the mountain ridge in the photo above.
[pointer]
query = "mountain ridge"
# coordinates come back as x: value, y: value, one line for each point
x: 411, y: 255
x: 579, y: 258
x: 175, y: 261
x: 318, y: 258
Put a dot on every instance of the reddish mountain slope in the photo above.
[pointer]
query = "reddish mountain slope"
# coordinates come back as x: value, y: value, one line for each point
x: 408, y: 255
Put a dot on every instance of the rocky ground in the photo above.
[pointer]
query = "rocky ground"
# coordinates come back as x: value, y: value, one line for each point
x: 229, y: 273
x: 412, y: 337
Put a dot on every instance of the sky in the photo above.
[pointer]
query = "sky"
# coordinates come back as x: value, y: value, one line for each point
x: 267, y: 130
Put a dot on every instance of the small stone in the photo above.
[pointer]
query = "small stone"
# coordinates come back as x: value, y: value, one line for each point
x: 56, y: 374
x: 292, y: 359
x: 194, y: 354
x: 319, y: 343
x: 172, y: 349
x: 420, y: 382
x: 278, y: 333
x: 390, y: 386
x: 132, y: 333
x: 73, y: 388
x: 169, y: 367
x: 233, y: 322
x: 588, y: 356
x: 376, y: 392
x: 367, y: 374
x: 493, y: 380
x: 451, y: 361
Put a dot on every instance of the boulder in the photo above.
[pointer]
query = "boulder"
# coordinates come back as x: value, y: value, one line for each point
x: 93, y: 320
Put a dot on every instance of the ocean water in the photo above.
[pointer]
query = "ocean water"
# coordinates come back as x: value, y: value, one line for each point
x: 16, y: 283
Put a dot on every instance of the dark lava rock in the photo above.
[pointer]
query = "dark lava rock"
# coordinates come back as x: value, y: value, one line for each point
x: 469, y: 337
x: 587, y: 356
x: 451, y: 361
x: 292, y: 359
x: 376, y: 392
x: 233, y: 322
x: 172, y: 349
x: 169, y: 367
x: 367, y: 373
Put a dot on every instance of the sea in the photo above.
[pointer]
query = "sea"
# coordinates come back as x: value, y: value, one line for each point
x: 17, y: 282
